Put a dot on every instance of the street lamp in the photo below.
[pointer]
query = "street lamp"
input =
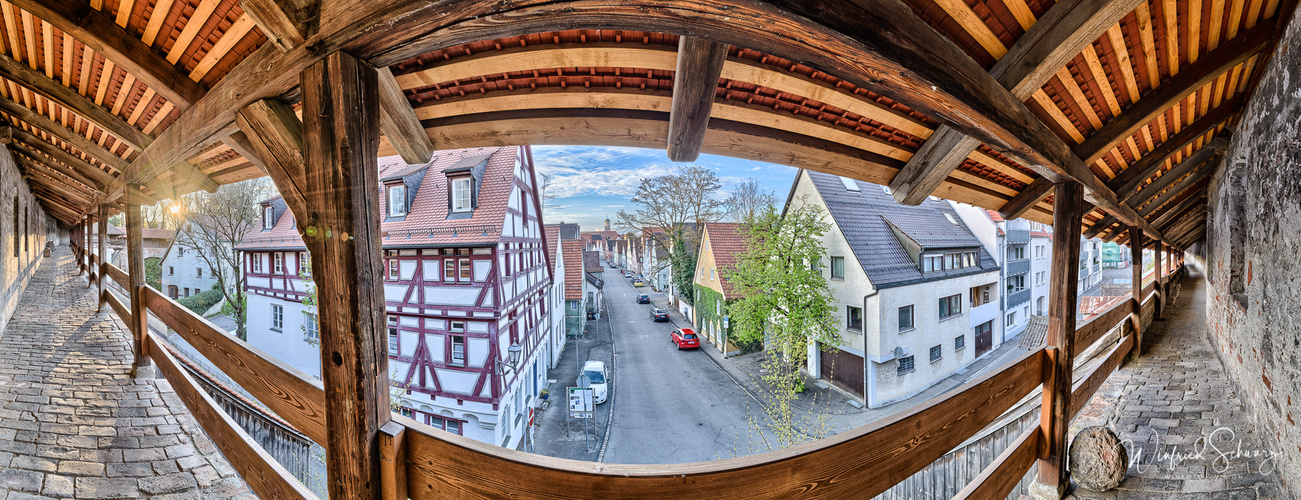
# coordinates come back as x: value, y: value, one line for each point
x: 514, y: 352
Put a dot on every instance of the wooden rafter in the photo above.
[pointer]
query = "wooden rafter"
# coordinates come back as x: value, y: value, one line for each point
x: 1128, y: 181
x: 399, y: 123
x: 69, y: 99
x: 1208, y: 151
x: 1066, y: 29
x: 275, y: 135
x: 1192, y: 78
x: 56, y: 166
x: 699, y: 64
x: 1198, y: 180
x: 42, y: 165
x: 1026, y: 199
x: 101, y: 33
x: 286, y: 23
x: 99, y: 176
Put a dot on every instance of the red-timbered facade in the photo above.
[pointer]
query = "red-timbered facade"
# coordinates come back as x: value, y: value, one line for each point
x: 466, y: 279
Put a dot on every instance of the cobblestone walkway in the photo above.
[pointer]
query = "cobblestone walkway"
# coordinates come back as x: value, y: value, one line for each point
x: 1186, y: 431
x: 74, y: 424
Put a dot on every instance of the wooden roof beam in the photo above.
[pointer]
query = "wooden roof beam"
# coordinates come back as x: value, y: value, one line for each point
x: 695, y: 82
x: 51, y: 200
x: 56, y: 166
x: 1179, y: 210
x: 78, y: 141
x: 399, y: 123
x: 275, y: 134
x: 57, y: 188
x: 91, y: 172
x: 1204, y: 161
x: 286, y: 23
x: 40, y: 165
x: 1101, y: 226
x: 69, y: 99
x: 240, y: 143
x: 101, y: 33
x: 1055, y: 39
x: 1128, y: 180
x: 1191, y: 219
x: 36, y: 171
x: 1198, y: 181
x: 1189, y: 79
x: 1026, y: 199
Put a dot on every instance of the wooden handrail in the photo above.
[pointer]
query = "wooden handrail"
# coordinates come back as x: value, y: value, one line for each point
x: 1085, y: 387
x: 291, y: 394
x: 266, y: 477
x: 1001, y: 476
x: 1095, y: 329
x: 113, y: 272
x: 860, y: 463
x: 118, y: 307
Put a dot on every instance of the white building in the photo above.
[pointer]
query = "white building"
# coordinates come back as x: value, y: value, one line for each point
x: 467, y: 291
x: 1021, y: 248
x: 186, y: 272
x: 917, y: 292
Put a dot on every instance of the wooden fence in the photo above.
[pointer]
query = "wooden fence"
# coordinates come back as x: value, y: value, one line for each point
x: 418, y: 461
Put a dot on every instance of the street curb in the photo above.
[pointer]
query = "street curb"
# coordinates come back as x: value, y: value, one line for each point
x: 614, y: 366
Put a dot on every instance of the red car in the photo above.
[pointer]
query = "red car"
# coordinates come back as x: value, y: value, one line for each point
x: 685, y: 338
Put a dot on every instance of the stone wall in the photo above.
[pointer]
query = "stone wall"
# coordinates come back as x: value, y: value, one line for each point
x: 34, y: 228
x: 1253, y: 259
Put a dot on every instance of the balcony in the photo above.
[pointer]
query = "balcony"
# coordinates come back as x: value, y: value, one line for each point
x: 1016, y: 236
x: 1018, y: 297
x: 1018, y: 266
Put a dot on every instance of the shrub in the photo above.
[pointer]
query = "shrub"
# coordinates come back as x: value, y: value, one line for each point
x: 202, y: 302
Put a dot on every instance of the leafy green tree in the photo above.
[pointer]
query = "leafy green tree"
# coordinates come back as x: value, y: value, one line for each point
x: 154, y: 272
x: 784, y: 303
x: 680, y: 203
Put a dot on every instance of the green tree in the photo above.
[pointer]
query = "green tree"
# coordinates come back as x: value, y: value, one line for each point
x: 680, y: 203
x: 784, y: 303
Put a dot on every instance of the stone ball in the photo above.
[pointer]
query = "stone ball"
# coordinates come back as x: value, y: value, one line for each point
x: 1098, y: 460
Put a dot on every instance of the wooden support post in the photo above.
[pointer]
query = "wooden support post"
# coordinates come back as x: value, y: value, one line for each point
x: 700, y: 63
x: 1159, y: 280
x: 91, y: 273
x: 1068, y: 211
x: 342, y: 231
x: 136, y: 269
x: 1136, y: 287
x: 102, y: 236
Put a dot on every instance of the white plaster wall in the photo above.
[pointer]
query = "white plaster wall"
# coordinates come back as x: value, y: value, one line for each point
x: 185, y: 275
x: 286, y: 345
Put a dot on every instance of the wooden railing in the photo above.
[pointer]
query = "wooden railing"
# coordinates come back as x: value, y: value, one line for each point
x: 418, y: 461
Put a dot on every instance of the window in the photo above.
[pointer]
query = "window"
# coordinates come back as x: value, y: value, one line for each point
x: 1039, y: 306
x: 461, y: 201
x: 932, y: 263
x: 310, y: 327
x: 951, y: 306
x: 854, y: 318
x: 905, y: 365
x: 449, y: 270
x: 838, y: 268
x: 392, y: 336
x: 397, y: 200
x: 257, y: 263
x: 980, y: 295
x: 277, y: 316
x: 969, y: 259
x: 712, y: 274
x: 959, y: 343
x: 466, y: 270
x: 171, y: 271
x: 268, y: 217
x: 305, y: 264
x: 279, y: 262
x: 198, y: 271
x: 180, y: 251
x: 1016, y: 283
x: 906, y: 318
x: 1011, y: 319
x: 393, y: 266
x: 187, y: 292
x: 458, y: 350
x: 937, y: 353
x: 458, y: 326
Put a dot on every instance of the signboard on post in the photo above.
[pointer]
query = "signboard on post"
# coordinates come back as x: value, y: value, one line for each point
x: 580, y: 402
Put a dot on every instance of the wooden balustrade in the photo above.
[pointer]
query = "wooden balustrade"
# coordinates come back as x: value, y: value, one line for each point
x: 290, y: 393
x: 1086, y: 335
x: 1003, y: 474
x: 123, y: 312
x: 117, y: 275
x: 1089, y: 384
x: 266, y: 477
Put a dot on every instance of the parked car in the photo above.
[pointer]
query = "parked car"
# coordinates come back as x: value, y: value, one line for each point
x: 643, y: 299
x: 637, y: 282
x: 659, y: 314
x: 685, y: 338
x: 595, y: 373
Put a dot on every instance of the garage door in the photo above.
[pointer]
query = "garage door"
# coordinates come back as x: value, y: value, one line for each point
x: 843, y: 369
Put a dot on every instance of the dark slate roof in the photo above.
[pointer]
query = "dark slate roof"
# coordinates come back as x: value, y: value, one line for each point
x: 567, y: 231
x: 865, y: 217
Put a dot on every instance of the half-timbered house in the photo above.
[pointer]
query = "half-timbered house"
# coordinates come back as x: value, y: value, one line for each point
x: 466, y: 285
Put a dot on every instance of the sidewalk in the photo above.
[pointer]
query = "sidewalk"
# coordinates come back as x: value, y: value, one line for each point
x: 557, y: 435
x: 829, y: 407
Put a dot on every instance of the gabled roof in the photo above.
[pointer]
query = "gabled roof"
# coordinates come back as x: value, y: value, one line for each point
x: 572, y: 252
x: 568, y: 231
x: 866, y: 217
x: 553, y: 246
x: 592, y: 261
x: 158, y: 234
x: 426, y: 224
x: 727, y: 241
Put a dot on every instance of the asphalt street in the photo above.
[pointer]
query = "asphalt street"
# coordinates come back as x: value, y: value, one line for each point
x: 671, y: 406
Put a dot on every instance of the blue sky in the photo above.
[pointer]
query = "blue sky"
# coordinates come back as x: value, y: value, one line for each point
x: 589, y: 183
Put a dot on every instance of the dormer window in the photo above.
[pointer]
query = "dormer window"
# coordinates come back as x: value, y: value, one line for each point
x: 461, y: 194
x: 397, y: 200
x: 268, y: 217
